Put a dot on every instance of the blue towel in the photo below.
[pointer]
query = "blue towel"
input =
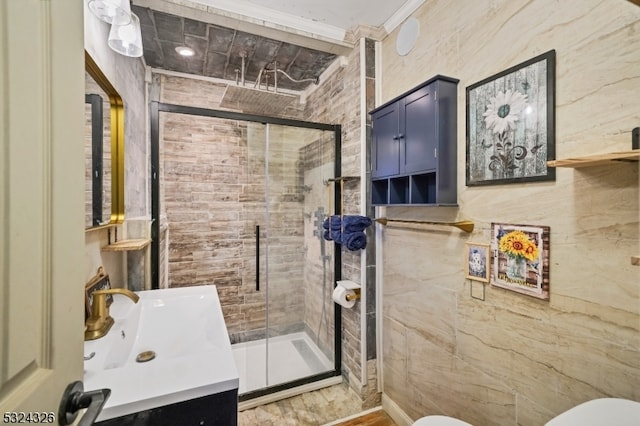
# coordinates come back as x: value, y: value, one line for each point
x: 333, y: 229
x: 336, y: 236
x: 336, y: 222
x: 333, y: 222
x: 355, y: 223
x: 354, y: 240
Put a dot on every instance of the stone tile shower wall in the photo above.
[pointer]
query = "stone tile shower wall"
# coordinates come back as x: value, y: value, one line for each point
x: 284, y: 224
x: 244, y: 307
x: 318, y: 159
x: 179, y: 91
x: 337, y: 100
x: 214, y: 196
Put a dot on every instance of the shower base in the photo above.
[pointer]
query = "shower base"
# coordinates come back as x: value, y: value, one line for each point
x: 290, y: 357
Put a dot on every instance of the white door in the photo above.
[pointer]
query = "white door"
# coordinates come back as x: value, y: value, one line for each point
x: 41, y: 203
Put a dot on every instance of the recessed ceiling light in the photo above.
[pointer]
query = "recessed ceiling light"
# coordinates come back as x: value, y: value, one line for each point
x: 185, y: 51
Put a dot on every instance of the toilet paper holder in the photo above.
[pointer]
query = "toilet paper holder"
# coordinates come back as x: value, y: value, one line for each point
x: 356, y: 296
x: 350, y: 285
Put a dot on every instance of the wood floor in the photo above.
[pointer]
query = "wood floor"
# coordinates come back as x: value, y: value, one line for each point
x: 377, y: 418
x: 315, y: 408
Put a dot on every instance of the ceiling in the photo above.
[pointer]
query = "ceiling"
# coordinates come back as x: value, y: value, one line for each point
x: 299, y: 37
x: 336, y: 15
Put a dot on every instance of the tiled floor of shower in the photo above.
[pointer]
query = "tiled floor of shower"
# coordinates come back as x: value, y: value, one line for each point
x: 290, y: 357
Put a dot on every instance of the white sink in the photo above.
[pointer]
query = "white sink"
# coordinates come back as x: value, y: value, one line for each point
x: 600, y: 412
x: 185, y: 329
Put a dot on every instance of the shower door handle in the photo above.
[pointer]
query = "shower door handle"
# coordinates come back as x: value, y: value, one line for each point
x: 257, y: 257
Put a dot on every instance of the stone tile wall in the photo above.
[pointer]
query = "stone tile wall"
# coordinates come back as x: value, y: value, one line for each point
x: 214, y: 189
x: 337, y: 100
x: 318, y: 164
x: 513, y: 359
x: 215, y: 197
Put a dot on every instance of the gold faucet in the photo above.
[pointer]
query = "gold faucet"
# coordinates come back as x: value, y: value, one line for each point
x: 99, y: 322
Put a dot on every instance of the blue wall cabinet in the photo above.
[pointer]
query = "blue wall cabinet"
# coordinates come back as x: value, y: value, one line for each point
x: 413, y: 151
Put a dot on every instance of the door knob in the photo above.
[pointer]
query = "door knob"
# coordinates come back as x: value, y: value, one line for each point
x: 74, y: 399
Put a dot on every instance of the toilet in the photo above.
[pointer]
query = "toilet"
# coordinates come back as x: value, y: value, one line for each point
x: 439, y: 421
x: 597, y: 412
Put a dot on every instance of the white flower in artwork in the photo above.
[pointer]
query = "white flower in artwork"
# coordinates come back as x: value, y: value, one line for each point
x: 504, y: 110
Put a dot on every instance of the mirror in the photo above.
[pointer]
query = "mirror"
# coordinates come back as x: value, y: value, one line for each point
x: 97, y: 155
x: 104, y: 149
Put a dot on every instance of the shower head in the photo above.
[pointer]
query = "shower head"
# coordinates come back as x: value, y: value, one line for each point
x: 255, y: 101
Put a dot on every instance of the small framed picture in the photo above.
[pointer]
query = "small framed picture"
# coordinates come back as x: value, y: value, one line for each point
x: 521, y: 258
x: 477, y: 262
x: 99, y: 282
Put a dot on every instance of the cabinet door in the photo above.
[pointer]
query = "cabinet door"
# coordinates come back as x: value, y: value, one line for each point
x: 418, y: 127
x: 385, y: 149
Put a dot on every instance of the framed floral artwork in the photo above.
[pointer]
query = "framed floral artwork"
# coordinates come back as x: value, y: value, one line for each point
x: 477, y: 262
x: 511, y: 126
x: 521, y: 258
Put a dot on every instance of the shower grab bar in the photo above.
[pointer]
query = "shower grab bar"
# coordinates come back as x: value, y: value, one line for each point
x: 257, y: 257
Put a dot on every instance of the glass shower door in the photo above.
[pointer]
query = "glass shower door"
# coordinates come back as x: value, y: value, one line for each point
x: 243, y: 203
x: 299, y: 262
x: 288, y: 280
x: 250, y: 342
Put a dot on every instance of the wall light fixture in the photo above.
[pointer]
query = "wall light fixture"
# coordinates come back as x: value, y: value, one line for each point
x: 116, y: 12
x: 125, y: 36
x: 127, y: 39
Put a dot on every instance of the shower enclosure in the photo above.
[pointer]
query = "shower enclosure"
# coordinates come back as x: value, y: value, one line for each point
x: 238, y: 201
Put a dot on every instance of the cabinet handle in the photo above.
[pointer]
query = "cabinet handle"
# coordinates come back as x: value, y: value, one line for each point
x: 400, y: 136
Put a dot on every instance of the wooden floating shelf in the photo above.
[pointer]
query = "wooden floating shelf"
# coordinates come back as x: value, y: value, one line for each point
x: 597, y: 160
x: 127, y: 245
x: 635, y: 260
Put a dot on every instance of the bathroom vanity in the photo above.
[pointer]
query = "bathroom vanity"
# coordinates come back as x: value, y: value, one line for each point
x: 167, y: 360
